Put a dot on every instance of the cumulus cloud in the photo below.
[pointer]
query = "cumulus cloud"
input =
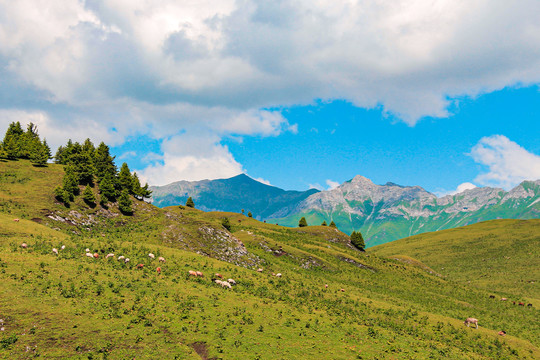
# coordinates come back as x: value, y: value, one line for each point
x: 461, y: 188
x: 332, y: 184
x: 116, y: 68
x: 508, y: 163
x: 264, y: 181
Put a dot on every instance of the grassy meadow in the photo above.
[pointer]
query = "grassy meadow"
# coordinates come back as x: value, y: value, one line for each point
x: 72, y: 306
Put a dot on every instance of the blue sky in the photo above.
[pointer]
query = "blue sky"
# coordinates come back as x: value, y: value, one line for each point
x: 295, y: 93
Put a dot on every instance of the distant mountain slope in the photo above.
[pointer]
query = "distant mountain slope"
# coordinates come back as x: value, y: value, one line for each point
x: 497, y: 255
x: 233, y: 195
x: 389, y: 212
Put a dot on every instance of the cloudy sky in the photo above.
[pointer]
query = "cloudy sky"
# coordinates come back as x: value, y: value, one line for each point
x: 443, y: 94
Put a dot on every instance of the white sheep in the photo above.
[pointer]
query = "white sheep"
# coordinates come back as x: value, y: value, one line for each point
x: 87, y: 250
x: 89, y: 254
x: 109, y: 256
x: 278, y: 274
x: 24, y: 245
x: 55, y: 250
x: 62, y: 247
x: 231, y: 281
x: 126, y: 260
x: 161, y: 259
x: 151, y: 256
x: 226, y: 284
x: 121, y: 257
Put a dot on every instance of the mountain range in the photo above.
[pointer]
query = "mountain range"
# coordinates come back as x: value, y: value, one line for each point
x: 382, y: 213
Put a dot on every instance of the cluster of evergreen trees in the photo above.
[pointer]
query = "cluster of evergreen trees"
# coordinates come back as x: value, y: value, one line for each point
x: 20, y: 144
x: 86, y: 165
x: 358, y: 240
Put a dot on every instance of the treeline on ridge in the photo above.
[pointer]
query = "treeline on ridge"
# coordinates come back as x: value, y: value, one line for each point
x: 85, y: 165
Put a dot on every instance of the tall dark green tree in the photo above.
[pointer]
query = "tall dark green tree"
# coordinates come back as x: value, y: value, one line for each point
x: 12, y: 143
x: 358, y: 241
x: 40, y: 154
x: 83, y: 165
x: 107, y: 190
x: 324, y: 223
x: 29, y: 142
x: 125, y: 203
x: 104, y: 163
x: 333, y: 224
x: 88, y: 196
x: 302, y: 222
x: 226, y: 223
x: 190, y: 203
x: 125, y: 179
x: 70, y: 182
x: 250, y: 214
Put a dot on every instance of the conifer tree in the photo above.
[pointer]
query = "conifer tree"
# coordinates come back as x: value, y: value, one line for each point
x: 40, y: 154
x: 226, y: 223
x: 104, y: 163
x: 124, y: 203
x: 333, y: 224
x: 70, y: 182
x: 250, y: 214
x: 83, y: 166
x: 136, y: 188
x: 190, y: 203
x: 324, y: 223
x: 125, y: 180
x: 107, y: 190
x: 146, y: 193
x: 29, y: 142
x: 88, y: 195
x: 358, y: 241
x: 12, y: 143
x: 302, y: 222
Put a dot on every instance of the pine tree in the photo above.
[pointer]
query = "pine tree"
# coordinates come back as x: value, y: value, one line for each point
x: 324, y: 223
x: 104, y: 163
x: 226, y: 223
x: 333, y: 224
x: 39, y: 155
x: 124, y: 203
x: 125, y: 180
x: 136, y: 188
x: 358, y: 241
x: 190, y: 203
x: 250, y: 214
x: 88, y: 195
x: 83, y: 165
x: 107, y: 190
x: 29, y: 142
x: 12, y: 143
x: 146, y: 193
x: 302, y: 222
x: 70, y: 182
x: 47, y: 149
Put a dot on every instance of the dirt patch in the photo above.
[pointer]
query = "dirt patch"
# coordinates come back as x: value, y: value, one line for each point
x: 38, y: 220
x: 356, y: 263
x: 201, y: 349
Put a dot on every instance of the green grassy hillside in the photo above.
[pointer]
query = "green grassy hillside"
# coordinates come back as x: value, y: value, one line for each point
x: 72, y: 306
x: 498, y: 255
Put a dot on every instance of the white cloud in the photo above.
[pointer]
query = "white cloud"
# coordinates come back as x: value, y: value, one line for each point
x: 127, y: 155
x: 332, y: 184
x: 111, y: 69
x: 264, y: 181
x: 460, y: 188
x: 316, y: 186
x: 191, y: 158
x: 508, y: 163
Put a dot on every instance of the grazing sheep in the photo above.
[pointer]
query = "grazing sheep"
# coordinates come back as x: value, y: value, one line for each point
x: 87, y: 250
x: 200, y: 274
x: 259, y: 270
x: 502, y: 332
x: 126, y: 260
x: 161, y: 259
x: 140, y: 266
x: 121, y: 257
x: 96, y: 255
x: 219, y: 275
x: 24, y: 245
x: 521, y: 303
x: 55, y: 250
x: 504, y: 299
x: 151, y: 256
x: 16, y: 220
x: 278, y: 275
x: 470, y: 321
x: 192, y: 273
x: 326, y: 286
x: 231, y: 281
x: 62, y: 247
x: 342, y: 290
x: 219, y: 282
x: 109, y: 256
x: 226, y: 284
x: 90, y: 255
